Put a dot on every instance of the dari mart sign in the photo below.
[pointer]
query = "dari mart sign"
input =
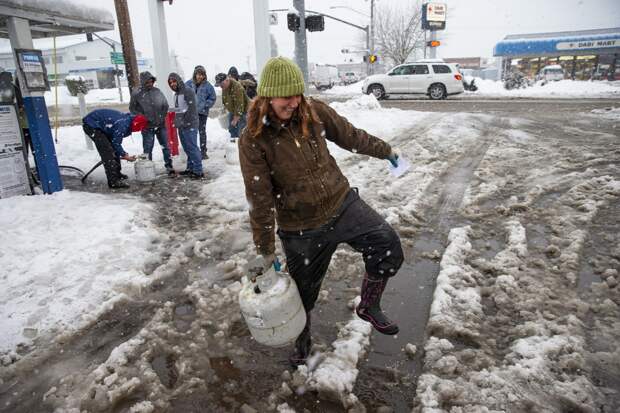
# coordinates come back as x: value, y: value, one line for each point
x: 588, y: 44
x: 434, y: 16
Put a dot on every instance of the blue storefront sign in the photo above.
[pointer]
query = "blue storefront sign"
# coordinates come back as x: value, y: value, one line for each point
x: 559, y: 46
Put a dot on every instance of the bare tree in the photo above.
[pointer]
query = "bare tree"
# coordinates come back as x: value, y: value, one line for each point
x: 398, y: 31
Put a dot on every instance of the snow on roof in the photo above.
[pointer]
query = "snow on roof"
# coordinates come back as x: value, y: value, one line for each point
x: 77, y: 9
x: 573, y: 33
x: 48, y: 43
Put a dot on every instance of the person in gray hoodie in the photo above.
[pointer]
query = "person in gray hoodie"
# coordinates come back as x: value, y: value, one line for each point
x: 186, y: 122
x: 149, y: 101
x: 206, y: 98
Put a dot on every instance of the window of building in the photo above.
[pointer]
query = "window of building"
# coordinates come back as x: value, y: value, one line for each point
x: 441, y: 69
x: 80, y: 58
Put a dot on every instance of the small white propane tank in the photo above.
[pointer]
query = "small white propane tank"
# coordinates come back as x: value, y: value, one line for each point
x: 232, y: 152
x: 272, y: 308
x: 145, y: 169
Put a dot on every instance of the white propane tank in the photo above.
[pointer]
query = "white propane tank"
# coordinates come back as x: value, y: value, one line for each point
x: 272, y: 308
x: 223, y: 120
x: 232, y: 152
x: 145, y: 169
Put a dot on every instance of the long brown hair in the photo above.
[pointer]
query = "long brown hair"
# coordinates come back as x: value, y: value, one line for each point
x: 260, y: 112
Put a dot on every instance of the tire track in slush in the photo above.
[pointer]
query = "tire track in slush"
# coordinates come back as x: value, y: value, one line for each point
x: 388, y: 377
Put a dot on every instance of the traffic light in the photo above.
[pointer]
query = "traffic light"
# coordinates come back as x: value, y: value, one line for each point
x: 315, y: 23
x: 433, y: 43
x: 292, y: 20
x: 373, y: 58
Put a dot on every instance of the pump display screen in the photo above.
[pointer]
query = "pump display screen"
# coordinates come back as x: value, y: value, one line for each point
x: 33, y: 68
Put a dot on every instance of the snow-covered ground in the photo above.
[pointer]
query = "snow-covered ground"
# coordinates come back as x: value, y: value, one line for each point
x: 93, y: 96
x: 67, y: 257
x: 559, y: 89
x: 506, y: 328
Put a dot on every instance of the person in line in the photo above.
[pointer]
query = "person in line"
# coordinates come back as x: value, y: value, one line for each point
x: 186, y: 122
x: 249, y: 83
x: 149, y: 101
x: 234, y: 73
x: 205, y: 93
x: 107, y: 128
x: 235, y: 101
x: 290, y: 176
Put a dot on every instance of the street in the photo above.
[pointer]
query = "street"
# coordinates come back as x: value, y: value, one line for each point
x: 510, y: 221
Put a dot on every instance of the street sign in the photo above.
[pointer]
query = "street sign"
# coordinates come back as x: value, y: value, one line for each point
x: 434, y: 16
x: 117, y: 58
x: 273, y: 19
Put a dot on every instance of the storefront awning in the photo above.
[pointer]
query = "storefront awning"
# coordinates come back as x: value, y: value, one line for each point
x: 589, y: 42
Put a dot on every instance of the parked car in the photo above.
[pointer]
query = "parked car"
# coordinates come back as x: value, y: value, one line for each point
x: 550, y: 73
x: 437, y: 80
x: 350, y: 77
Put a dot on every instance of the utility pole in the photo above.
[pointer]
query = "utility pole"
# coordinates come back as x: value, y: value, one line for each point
x: 129, y: 51
x: 301, y: 45
x: 159, y: 38
x: 433, y: 49
x: 118, y: 78
x: 372, y: 30
x: 262, y: 37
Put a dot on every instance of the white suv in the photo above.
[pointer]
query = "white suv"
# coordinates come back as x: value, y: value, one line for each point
x: 435, y: 79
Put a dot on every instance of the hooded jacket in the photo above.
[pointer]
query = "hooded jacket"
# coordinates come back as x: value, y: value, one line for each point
x: 149, y: 102
x: 186, y: 116
x: 114, y: 124
x: 205, y: 93
x: 293, y: 178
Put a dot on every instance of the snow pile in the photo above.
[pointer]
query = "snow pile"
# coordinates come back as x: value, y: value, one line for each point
x: 348, y: 90
x: 67, y: 256
x: 335, y: 375
x: 611, y: 113
x: 560, y: 89
x: 456, y: 302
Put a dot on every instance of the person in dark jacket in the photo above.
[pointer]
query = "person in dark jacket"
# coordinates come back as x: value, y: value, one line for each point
x: 289, y: 175
x: 249, y: 83
x: 149, y: 101
x: 235, y: 101
x: 205, y: 93
x: 186, y: 122
x: 107, y: 128
x: 234, y: 73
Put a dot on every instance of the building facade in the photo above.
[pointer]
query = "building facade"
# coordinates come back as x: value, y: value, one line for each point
x: 583, y: 55
x: 74, y: 55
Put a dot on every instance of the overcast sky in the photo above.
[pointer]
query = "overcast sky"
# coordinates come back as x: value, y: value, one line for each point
x: 218, y: 34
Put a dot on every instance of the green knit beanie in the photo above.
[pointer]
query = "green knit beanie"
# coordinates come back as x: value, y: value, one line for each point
x: 280, y: 78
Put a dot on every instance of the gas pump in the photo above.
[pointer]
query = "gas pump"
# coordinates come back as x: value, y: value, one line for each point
x: 14, y: 177
x: 32, y: 74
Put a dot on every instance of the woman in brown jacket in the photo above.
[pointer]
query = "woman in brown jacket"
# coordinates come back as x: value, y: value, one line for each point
x: 291, y: 177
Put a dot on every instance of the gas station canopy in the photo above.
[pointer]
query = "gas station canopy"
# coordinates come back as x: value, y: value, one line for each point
x: 50, y: 18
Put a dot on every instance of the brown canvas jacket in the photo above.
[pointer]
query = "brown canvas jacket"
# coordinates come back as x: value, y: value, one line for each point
x: 234, y: 98
x: 295, y: 179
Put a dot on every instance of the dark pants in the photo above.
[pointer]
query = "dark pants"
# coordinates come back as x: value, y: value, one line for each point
x: 111, y: 161
x: 235, y: 131
x: 202, y: 131
x: 309, y: 252
x: 148, y: 141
